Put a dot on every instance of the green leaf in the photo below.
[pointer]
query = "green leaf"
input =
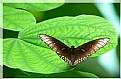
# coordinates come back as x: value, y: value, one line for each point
x: 28, y: 57
x: 76, y: 74
x: 15, y: 19
x: 17, y: 73
x: 33, y: 1
x: 35, y: 6
x: 73, y: 31
x: 1, y: 48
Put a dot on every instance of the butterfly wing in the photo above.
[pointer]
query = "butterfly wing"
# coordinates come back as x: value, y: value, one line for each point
x: 60, y: 48
x: 84, y: 51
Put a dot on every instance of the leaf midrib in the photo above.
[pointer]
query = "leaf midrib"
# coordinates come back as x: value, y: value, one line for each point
x: 23, y: 56
x: 55, y: 27
x: 8, y: 52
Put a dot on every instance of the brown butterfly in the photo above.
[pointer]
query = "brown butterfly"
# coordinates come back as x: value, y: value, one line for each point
x: 74, y: 55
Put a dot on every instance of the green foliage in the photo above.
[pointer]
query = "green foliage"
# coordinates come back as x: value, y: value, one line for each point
x: 75, y: 74
x: 17, y: 73
x: 15, y: 19
x: 73, y: 31
x: 35, y: 6
x: 29, y: 53
x: 33, y: 1
x: 28, y: 57
x: 35, y: 56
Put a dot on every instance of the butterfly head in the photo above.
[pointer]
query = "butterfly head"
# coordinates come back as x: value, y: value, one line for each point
x: 72, y: 47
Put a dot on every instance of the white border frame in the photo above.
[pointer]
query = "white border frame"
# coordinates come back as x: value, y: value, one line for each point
x: 1, y: 42
x: 46, y: 1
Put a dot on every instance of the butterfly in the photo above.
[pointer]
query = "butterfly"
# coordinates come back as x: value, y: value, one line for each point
x: 71, y: 54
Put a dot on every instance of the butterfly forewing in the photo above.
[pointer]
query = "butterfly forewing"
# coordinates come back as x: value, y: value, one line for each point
x: 60, y: 48
x: 82, y: 52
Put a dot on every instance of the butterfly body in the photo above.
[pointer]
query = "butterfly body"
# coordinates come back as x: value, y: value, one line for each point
x: 73, y: 55
x: 72, y: 49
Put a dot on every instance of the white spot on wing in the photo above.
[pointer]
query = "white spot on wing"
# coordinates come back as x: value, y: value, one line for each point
x: 106, y: 39
x: 99, y: 45
x: 84, y: 57
x: 46, y: 40
x: 42, y: 35
x: 49, y: 42
x: 62, y: 56
x: 83, y: 50
x: 63, y: 48
x: 58, y: 53
x: 79, y: 61
x: 95, y: 48
x: 54, y: 48
x: 51, y: 45
x: 102, y: 43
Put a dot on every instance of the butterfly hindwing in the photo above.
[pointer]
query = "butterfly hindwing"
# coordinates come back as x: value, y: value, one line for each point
x: 60, y: 48
x: 84, y: 51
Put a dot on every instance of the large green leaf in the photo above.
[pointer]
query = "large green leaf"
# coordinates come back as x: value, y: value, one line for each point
x: 15, y: 19
x: 28, y: 57
x: 73, y: 31
x: 29, y: 53
x: 35, y: 6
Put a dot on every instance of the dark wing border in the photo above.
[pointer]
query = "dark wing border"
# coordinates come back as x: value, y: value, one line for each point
x: 84, y: 51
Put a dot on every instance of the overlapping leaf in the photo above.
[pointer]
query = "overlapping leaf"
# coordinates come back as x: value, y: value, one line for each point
x: 73, y: 31
x: 14, y: 19
x: 31, y: 58
x: 33, y: 1
x: 35, y: 6
x: 76, y: 74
